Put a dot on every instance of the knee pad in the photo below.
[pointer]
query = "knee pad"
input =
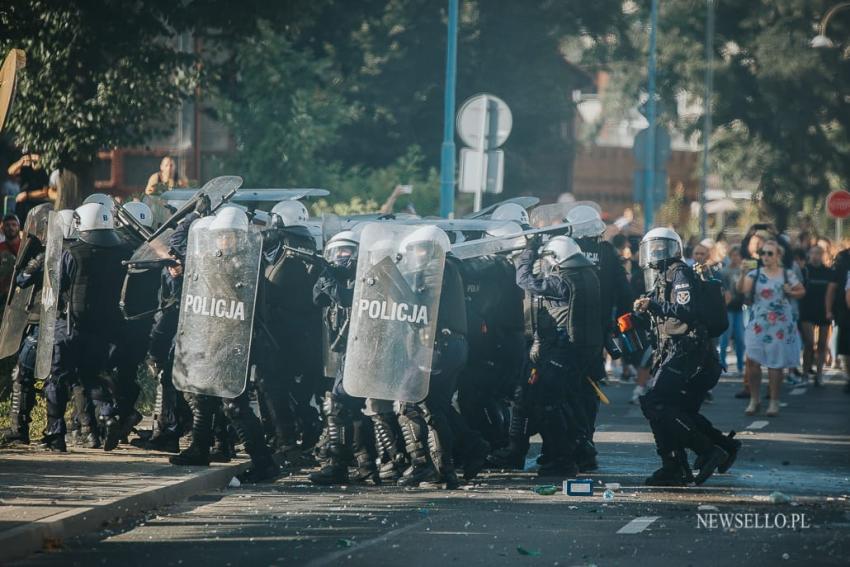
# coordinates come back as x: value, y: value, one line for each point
x: 26, y: 358
x: 232, y: 410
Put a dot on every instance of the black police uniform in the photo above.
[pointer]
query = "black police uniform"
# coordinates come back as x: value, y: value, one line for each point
x: 287, y: 332
x: 685, y: 368
x: 90, y: 289
x: 570, y: 335
x: 347, y: 433
x: 615, y: 299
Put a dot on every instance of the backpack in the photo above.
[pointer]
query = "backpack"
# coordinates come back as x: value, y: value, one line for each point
x: 711, y: 304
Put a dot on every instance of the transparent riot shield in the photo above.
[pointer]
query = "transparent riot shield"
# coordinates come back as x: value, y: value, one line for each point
x: 20, y: 301
x: 394, y: 313
x: 49, y: 297
x: 213, y: 342
x: 555, y: 213
x: 217, y: 191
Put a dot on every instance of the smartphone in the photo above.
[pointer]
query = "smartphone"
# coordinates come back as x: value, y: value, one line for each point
x: 405, y: 189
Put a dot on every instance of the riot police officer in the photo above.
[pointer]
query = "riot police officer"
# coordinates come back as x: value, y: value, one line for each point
x: 90, y: 286
x: 587, y: 229
x: 347, y: 432
x: 570, y: 336
x: 28, y: 276
x: 287, y: 333
x: 685, y: 364
x: 220, y: 248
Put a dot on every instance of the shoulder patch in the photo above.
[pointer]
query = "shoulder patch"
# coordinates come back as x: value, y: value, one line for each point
x: 682, y: 286
x: 683, y: 297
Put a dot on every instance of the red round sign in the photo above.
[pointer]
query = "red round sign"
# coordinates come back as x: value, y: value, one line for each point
x: 838, y: 204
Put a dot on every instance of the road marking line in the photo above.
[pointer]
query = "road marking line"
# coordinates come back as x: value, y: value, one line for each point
x: 758, y: 424
x: 333, y: 558
x: 798, y: 391
x: 637, y: 525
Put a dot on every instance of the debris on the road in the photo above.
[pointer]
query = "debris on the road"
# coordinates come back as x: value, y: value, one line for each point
x: 612, y: 485
x: 528, y: 552
x: 786, y: 556
x: 608, y: 495
x: 343, y: 542
x: 779, y: 498
x: 546, y: 490
x: 234, y: 483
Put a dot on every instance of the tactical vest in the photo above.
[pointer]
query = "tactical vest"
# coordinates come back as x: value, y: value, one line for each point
x: 287, y: 283
x: 95, y: 289
x: 493, y: 300
x: 670, y: 327
x: 579, y: 314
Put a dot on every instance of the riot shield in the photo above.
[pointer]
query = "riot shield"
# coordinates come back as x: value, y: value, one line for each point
x: 49, y: 297
x: 525, y: 202
x: 213, y: 342
x: 504, y: 243
x: 19, y: 301
x: 393, y: 316
x: 555, y: 213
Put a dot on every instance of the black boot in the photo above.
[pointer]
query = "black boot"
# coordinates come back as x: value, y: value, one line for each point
x: 365, y: 455
x: 513, y: 455
x: 112, y: 432
x: 55, y: 442
x: 415, y: 433
x: 391, y: 457
x: 711, y: 461
x: 18, y: 432
x: 249, y: 429
x: 197, y: 454
x: 440, y: 446
x: 336, y: 455
x: 671, y: 472
x: 586, y: 456
x: 475, y: 458
x: 729, y: 444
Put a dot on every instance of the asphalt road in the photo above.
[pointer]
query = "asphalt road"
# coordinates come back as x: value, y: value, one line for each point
x: 804, y: 454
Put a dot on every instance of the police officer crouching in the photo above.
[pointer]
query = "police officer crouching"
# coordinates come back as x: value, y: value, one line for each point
x: 685, y: 366
x: 570, y: 340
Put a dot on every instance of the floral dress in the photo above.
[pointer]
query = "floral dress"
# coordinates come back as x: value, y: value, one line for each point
x: 772, y: 339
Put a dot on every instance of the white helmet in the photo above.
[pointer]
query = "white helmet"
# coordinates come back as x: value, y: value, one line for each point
x: 558, y: 250
x: 420, y: 246
x: 100, y: 198
x: 94, y: 216
x: 511, y: 212
x: 141, y: 212
x: 585, y: 222
x: 229, y: 218
x: 291, y: 212
x: 341, y: 249
x: 659, y: 245
x: 69, y: 229
x: 504, y: 229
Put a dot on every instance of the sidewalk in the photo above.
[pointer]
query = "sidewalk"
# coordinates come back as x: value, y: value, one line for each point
x: 47, y: 497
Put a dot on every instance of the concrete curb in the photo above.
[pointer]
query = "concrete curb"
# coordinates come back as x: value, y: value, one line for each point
x: 22, y: 541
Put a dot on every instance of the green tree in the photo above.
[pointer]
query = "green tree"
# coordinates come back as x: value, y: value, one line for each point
x: 780, y: 115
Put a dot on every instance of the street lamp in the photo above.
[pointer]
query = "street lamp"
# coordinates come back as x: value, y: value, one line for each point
x: 447, y: 157
x: 821, y: 39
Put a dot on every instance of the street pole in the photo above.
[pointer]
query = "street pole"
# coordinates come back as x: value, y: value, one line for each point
x: 649, y: 171
x: 706, y: 129
x: 447, y: 158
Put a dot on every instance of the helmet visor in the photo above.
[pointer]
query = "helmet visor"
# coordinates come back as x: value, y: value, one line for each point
x: 342, y: 255
x: 657, y: 250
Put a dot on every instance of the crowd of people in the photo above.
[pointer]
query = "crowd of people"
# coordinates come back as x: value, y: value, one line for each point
x: 427, y: 351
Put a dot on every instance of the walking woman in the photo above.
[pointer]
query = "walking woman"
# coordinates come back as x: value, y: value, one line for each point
x: 772, y: 339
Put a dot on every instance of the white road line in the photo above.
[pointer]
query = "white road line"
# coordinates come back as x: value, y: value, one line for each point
x: 799, y: 391
x: 334, y: 558
x: 637, y: 525
x: 758, y: 424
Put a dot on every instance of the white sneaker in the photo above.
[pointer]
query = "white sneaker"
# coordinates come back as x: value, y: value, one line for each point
x: 772, y: 408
